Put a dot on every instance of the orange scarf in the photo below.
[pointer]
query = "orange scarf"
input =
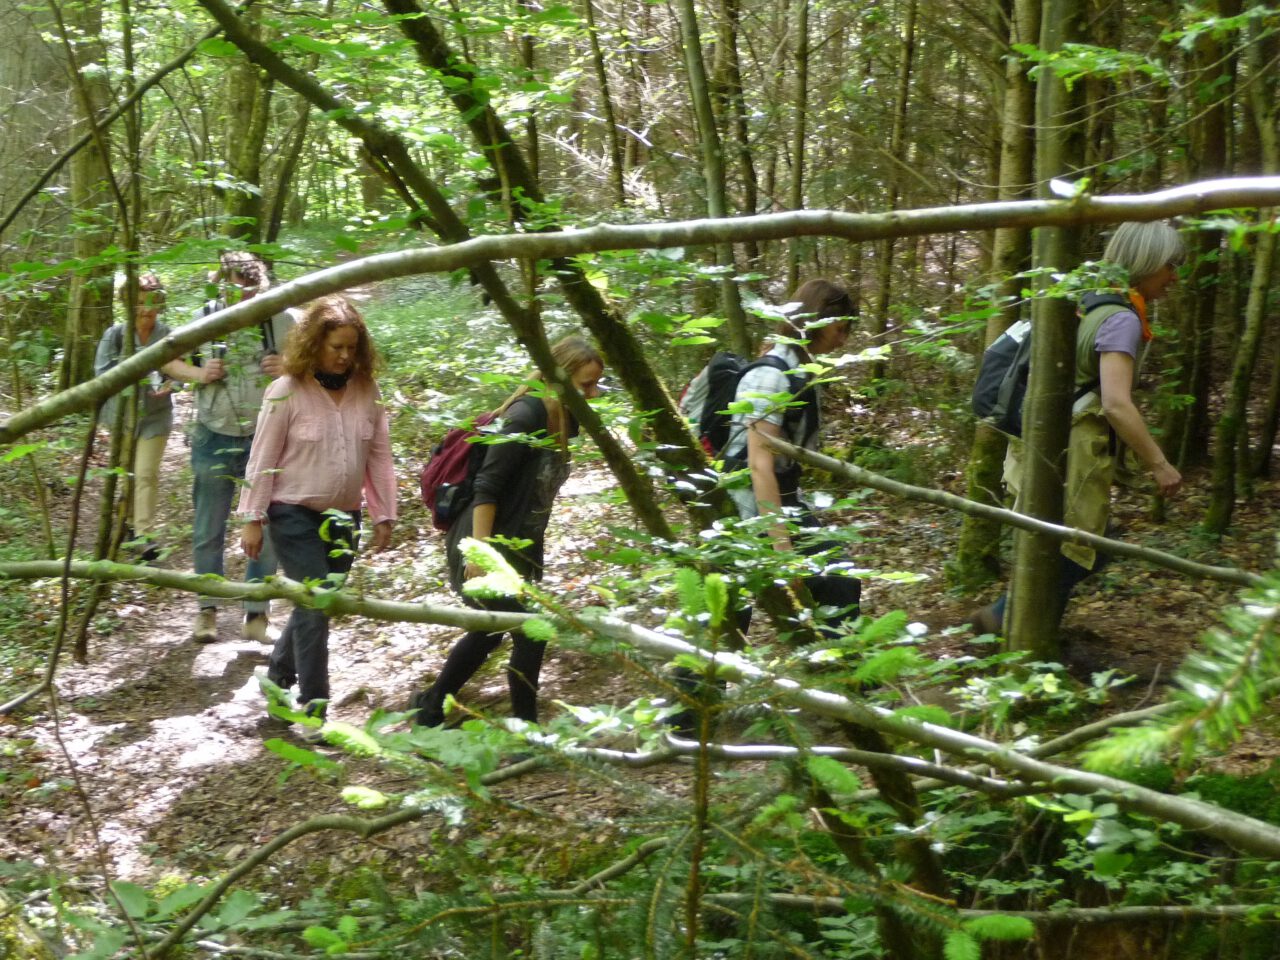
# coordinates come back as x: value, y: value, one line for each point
x: 1140, y: 308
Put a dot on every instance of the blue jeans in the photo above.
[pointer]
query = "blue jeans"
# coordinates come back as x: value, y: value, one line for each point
x: 311, y: 545
x: 217, y: 467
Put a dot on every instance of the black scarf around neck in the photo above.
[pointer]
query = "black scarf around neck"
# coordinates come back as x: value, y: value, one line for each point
x: 332, y: 381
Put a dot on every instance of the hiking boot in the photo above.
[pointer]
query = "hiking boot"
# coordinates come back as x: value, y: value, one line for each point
x: 255, y: 628
x: 986, y: 620
x: 206, y: 628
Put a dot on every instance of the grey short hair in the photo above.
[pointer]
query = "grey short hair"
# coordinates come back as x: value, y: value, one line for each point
x: 1143, y: 248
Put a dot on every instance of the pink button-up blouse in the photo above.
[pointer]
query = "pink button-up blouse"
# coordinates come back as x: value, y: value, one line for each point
x: 309, y: 450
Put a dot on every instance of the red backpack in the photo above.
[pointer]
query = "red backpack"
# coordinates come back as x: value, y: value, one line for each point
x: 448, y: 477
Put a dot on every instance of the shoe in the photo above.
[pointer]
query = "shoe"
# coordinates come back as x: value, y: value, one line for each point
x: 307, y: 733
x: 255, y: 628
x: 206, y: 628
x: 986, y: 621
x: 427, y: 710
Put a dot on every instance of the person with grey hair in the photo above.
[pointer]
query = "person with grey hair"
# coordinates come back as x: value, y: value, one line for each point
x: 1111, y: 342
x: 222, y: 438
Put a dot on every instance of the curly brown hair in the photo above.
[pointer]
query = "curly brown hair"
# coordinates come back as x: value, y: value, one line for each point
x: 319, y: 318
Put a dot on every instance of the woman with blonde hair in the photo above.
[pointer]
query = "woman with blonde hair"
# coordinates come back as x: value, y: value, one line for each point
x: 321, y: 451
x: 514, y: 490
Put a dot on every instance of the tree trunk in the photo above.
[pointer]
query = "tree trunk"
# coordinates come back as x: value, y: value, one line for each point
x: 729, y: 84
x: 1033, y: 622
x: 713, y: 173
x: 612, y: 140
x: 247, y: 124
x: 977, y: 559
x: 799, y: 134
x: 89, y: 296
x: 897, y: 157
x: 1232, y: 429
x: 1188, y: 427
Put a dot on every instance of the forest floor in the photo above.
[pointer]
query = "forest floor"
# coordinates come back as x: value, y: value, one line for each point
x: 153, y: 762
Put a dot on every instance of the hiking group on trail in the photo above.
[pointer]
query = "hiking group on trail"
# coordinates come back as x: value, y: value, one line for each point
x: 290, y: 414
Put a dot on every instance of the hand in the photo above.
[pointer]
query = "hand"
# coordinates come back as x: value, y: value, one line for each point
x: 212, y: 370
x: 251, y: 539
x: 272, y: 365
x: 381, y: 536
x: 1167, y: 478
x: 472, y: 571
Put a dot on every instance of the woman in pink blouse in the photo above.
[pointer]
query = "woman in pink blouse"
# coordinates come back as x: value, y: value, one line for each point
x: 320, y: 451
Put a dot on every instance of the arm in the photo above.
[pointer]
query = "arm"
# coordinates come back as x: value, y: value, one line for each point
x: 181, y: 370
x: 764, y: 481
x: 1115, y: 385
x: 482, y: 518
x: 380, y: 481
x: 268, y: 445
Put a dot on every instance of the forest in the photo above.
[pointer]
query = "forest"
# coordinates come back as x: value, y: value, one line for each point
x: 482, y: 179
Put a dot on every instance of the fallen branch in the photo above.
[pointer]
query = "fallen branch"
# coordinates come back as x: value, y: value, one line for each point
x: 1245, y: 833
x: 1189, y: 199
x: 906, y: 491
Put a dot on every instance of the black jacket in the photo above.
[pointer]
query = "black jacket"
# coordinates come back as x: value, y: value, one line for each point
x: 508, y: 478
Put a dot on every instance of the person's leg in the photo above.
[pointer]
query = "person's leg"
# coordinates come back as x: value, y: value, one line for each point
x: 522, y: 676
x: 467, y: 656
x: 266, y: 564
x: 841, y: 594
x: 303, y: 648
x: 146, y: 482
x: 212, y: 488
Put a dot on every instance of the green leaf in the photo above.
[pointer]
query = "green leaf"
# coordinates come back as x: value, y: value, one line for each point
x: 960, y: 946
x: 540, y: 630
x: 500, y: 577
x: 716, y: 592
x: 237, y: 906
x: 689, y: 590
x: 300, y: 756
x: 22, y: 450
x: 1110, y: 863
x: 322, y: 938
x: 1000, y: 928
x: 217, y: 47
x: 366, y: 798
x: 833, y: 775
x: 132, y: 897
x: 179, y: 900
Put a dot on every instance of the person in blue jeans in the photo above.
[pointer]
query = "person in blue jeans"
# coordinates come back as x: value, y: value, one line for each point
x: 226, y: 417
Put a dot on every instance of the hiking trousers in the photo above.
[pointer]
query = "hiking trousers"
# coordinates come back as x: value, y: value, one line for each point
x: 311, y: 546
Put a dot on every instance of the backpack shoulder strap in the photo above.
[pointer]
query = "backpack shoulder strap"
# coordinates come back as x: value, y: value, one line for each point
x: 1096, y: 309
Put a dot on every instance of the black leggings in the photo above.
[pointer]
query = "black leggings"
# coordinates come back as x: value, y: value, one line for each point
x: 469, y: 654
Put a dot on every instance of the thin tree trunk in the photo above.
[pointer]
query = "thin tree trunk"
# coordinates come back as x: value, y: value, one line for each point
x: 729, y: 82
x: 1033, y: 617
x: 616, y: 166
x: 712, y: 172
x: 799, y: 135
x: 977, y: 558
x: 391, y: 151
x: 1232, y: 429
x: 897, y: 155
x: 1188, y: 427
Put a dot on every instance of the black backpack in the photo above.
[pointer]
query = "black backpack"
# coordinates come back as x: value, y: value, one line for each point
x: 1001, y: 387
x: 706, y: 399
